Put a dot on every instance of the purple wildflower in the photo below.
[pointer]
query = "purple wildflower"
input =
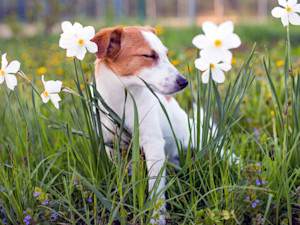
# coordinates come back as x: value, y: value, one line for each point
x: 258, y: 219
x: 1, y: 210
x: 247, y: 198
x: 52, y: 202
x: 257, y: 201
x: 251, y: 171
x: 89, y: 200
x: 75, y: 182
x: 248, y: 120
x: 258, y: 182
x: 254, y: 204
x: 3, y: 220
x: 3, y: 188
x: 54, y: 216
x: 37, y: 194
x: 46, y: 202
x: 263, y: 182
x: 259, y: 171
x: 274, y: 207
x: 257, y: 164
x: 124, y: 200
x: 261, y: 219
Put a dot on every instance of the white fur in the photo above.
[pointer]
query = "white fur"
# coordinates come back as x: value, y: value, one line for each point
x: 156, y: 136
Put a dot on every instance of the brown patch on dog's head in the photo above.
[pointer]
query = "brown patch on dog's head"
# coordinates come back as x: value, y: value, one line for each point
x: 125, y: 50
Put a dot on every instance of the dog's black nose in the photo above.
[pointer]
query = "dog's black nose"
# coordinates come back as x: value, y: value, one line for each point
x: 182, y: 82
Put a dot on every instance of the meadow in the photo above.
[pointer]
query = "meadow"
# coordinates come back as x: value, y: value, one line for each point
x: 54, y: 168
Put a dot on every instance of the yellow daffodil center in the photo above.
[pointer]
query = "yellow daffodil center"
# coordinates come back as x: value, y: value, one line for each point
x: 46, y: 94
x: 212, y: 66
x: 288, y: 9
x: 2, y: 73
x: 81, y: 42
x: 218, y: 43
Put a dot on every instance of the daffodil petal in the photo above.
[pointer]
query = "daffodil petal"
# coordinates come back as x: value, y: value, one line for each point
x: 200, y: 41
x: 226, y: 56
x: 1, y: 79
x: 91, y: 46
x: 297, y: 8
x: 55, y: 99
x: 282, y: 3
x: 291, y: 3
x: 278, y: 12
x: 66, y: 41
x: 218, y: 75
x: 226, y: 28
x: 210, y: 29
x: 232, y: 41
x: 11, y: 81
x: 211, y: 55
x: 205, y: 77
x: 224, y: 66
x: 52, y: 86
x: 77, y: 26
x: 87, y: 32
x: 13, y: 67
x: 4, y: 61
x: 294, y: 18
x: 66, y: 26
x: 200, y: 64
x: 80, y: 52
x: 71, y: 51
x: 285, y: 20
x: 44, y: 99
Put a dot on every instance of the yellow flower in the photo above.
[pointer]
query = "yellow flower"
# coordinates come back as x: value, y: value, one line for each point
x: 25, y: 56
x: 276, y: 106
x: 28, y: 63
x: 40, y: 83
x: 60, y: 71
x: 41, y: 70
x: 159, y: 30
x: 170, y: 53
x: 269, y: 95
x: 233, y: 61
x: 82, y: 86
x: 280, y: 63
x: 272, y: 113
x: 244, y: 100
x: 175, y: 62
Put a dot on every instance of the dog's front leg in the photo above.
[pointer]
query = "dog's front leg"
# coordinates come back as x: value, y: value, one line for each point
x: 153, y: 144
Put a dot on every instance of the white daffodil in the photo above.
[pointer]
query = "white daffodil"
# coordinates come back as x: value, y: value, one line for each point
x: 52, y: 88
x: 76, y: 39
x: 216, y: 70
x: 216, y: 41
x: 288, y: 13
x: 6, y: 72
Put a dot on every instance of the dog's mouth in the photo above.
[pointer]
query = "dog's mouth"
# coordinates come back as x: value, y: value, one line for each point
x: 166, y: 91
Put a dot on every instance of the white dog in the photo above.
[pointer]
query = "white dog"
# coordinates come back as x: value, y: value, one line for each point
x: 126, y: 56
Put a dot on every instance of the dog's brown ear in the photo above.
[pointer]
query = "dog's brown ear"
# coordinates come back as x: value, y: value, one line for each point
x: 108, y: 41
x: 150, y: 29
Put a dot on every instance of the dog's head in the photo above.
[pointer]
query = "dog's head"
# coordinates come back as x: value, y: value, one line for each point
x: 136, y: 52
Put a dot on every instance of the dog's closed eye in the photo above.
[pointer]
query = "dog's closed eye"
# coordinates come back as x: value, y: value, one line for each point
x: 151, y: 55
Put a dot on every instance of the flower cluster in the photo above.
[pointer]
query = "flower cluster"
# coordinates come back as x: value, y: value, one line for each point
x: 214, y: 44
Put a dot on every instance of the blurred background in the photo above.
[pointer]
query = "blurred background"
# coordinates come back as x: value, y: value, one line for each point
x: 176, y: 13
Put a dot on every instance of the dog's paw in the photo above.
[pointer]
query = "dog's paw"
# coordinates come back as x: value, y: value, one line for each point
x: 158, y: 216
x: 158, y: 219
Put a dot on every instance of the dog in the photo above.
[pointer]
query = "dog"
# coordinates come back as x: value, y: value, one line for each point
x: 128, y: 57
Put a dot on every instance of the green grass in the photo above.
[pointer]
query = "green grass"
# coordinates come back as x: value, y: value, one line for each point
x: 59, y: 154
